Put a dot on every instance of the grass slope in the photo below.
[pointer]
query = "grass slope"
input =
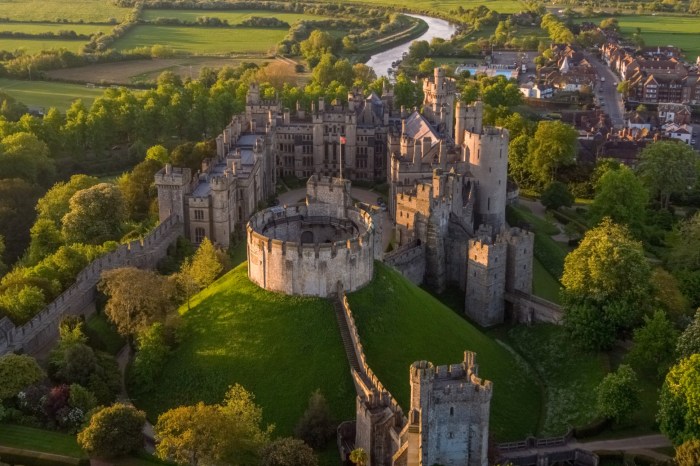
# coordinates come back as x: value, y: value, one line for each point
x: 44, y: 94
x: 400, y: 323
x: 45, y: 441
x: 202, y: 40
x: 279, y: 347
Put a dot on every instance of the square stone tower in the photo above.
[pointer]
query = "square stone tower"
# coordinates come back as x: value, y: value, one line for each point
x: 449, y: 417
x: 486, y: 279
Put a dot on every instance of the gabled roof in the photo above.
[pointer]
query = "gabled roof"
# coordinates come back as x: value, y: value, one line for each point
x: 417, y: 127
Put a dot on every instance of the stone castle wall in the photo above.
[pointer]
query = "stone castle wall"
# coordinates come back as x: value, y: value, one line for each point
x: 408, y: 260
x: 79, y: 298
x: 310, y: 269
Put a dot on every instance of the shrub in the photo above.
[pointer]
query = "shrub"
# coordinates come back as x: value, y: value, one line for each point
x: 113, y: 431
x: 288, y: 452
x: 315, y: 426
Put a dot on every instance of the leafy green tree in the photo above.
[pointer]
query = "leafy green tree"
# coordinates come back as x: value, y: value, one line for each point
x: 470, y: 92
x: 316, y: 427
x: 654, y: 344
x: 679, y: 408
x: 288, y: 451
x: 17, y: 372
x: 21, y: 303
x: 213, y: 434
x: 689, y: 340
x: 606, y: 284
x: 159, y: 154
x: 23, y: 155
x: 96, y: 215
x: 668, y: 296
x: 618, y: 394
x: 688, y: 453
x: 136, y: 298
x: 81, y: 398
x: 205, y: 266
x: 152, y: 353
x: 553, y: 146
x: 685, y: 245
x: 359, y: 457
x: 556, y: 195
x: 668, y: 167
x: 621, y: 196
x: 17, y: 200
x: 518, y: 167
x: 426, y: 67
x: 138, y: 188
x: 45, y: 237
x: 407, y: 93
x: 55, y: 203
x: 114, y: 431
x: 318, y: 43
x: 500, y: 92
x: 418, y: 50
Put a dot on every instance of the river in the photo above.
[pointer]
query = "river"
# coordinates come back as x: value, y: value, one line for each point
x: 381, y: 62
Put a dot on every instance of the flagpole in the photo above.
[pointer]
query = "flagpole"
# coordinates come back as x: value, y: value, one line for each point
x: 341, y: 159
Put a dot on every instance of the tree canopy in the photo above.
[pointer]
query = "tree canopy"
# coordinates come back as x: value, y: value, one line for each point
x: 113, y: 431
x: 679, y: 404
x: 288, y: 451
x: 668, y: 167
x: 553, y: 146
x: 621, y: 196
x: 17, y: 372
x: 618, y: 394
x: 95, y: 215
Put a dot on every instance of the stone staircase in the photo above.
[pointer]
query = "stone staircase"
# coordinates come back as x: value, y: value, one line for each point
x: 345, y: 335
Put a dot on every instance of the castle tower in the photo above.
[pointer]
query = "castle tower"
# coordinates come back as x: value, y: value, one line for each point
x: 449, y: 417
x: 488, y: 161
x: 173, y: 185
x: 520, y: 245
x: 439, y: 99
x: 486, y: 279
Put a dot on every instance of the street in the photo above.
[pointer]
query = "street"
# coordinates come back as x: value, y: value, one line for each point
x: 610, y: 100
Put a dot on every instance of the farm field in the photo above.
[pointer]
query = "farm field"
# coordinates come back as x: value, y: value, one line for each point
x: 392, y: 311
x: 501, y: 6
x: 37, y: 45
x: 202, y: 40
x: 232, y: 16
x: 44, y: 94
x: 38, y: 28
x: 89, y: 11
x: 281, y: 348
x: 146, y: 71
x: 680, y: 31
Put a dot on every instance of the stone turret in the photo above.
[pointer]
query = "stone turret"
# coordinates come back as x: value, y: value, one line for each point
x: 486, y: 278
x: 173, y: 185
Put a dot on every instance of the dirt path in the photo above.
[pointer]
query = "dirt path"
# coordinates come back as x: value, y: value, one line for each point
x: 538, y: 209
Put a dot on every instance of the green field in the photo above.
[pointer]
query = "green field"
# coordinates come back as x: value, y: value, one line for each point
x: 44, y: 94
x: 679, y: 31
x: 544, y: 284
x: 501, y: 6
x: 400, y: 323
x: 281, y: 348
x: 37, y: 45
x: 569, y: 376
x: 232, y: 16
x: 39, y: 440
x: 89, y: 11
x: 201, y: 40
x: 38, y: 28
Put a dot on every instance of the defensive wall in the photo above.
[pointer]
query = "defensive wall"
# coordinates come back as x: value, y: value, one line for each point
x: 290, y: 249
x: 530, y: 309
x: 79, y: 298
x: 408, y: 260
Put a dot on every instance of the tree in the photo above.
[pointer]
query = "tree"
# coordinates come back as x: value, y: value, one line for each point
x: 316, y: 427
x: 426, y: 67
x: 606, y: 284
x: 679, y: 407
x: 518, y: 168
x: 55, y: 203
x: 621, y: 196
x: 556, y: 195
x: 406, y: 92
x: 688, y: 453
x: 689, y: 340
x: 552, y: 147
x: 17, y: 200
x: 618, y: 394
x: 288, y: 451
x: 96, y: 215
x: 152, y: 353
x: 45, y: 237
x: 113, y: 431
x: 685, y: 245
x: 205, y: 266
x: 159, y: 154
x: 23, y: 155
x: 3, y: 267
x: 654, y: 344
x: 668, y: 167
x: 137, y: 298
x: 138, y: 188
x: 17, y: 372
x: 359, y: 457
x: 213, y: 434
x: 623, y: 87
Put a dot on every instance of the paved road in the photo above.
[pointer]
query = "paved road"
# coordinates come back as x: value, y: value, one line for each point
x: 611, y: 101
x: 295, y: 196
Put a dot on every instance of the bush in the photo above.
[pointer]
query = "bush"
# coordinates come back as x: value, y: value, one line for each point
x: 288, y: 452
x: 316, y: 427
x: 113, y: 431
x: 557, y: 195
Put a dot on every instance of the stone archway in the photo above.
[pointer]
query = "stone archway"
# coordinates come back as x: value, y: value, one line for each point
x: 307, y: 237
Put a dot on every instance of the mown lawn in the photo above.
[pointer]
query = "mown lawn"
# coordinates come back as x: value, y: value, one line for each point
x: 400, y: 323
x: 232, y: 16
x: 202, y: 40
x: 544, y: 284
x: 568, y: 375
x: 52, y: 10
x: 39, y: 440
x: 44, y: 94
x: 279, y: 347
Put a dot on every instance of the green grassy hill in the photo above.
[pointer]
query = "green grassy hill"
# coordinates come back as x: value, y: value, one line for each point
x: 400, y: 323
x: 279, y: 347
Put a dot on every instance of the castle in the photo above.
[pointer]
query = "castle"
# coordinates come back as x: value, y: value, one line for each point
x: 448, y: 189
